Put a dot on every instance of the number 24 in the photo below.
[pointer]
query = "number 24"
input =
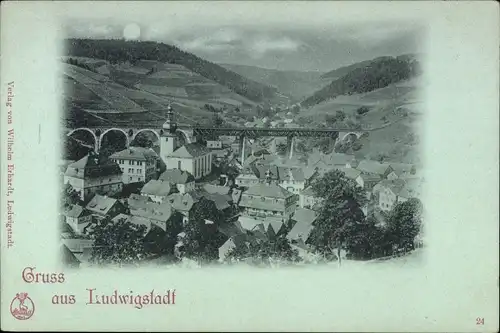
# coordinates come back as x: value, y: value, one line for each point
x: 479, y: 321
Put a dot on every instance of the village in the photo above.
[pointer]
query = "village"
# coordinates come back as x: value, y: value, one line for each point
x: 204, y: 193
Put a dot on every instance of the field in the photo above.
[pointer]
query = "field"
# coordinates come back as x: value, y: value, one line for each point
x: 144, y: 86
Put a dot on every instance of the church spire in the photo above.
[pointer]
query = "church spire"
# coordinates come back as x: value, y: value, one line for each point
x: 170, y: 123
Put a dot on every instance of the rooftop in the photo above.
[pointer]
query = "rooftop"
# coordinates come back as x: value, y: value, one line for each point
x: 176, y: 176
x: 350, y: 173
x: 308, y: 191
x: 75, y: 211
x: 401, y: 168
x: 135, y: 153
x: 300, y: 230
x: 101, y: 204
x: 304, y: 215
x: 92, y: 167
x: 153, y: 211
x: 269, y: 191
x: 157, y: 187
x: 181, y: 202
x: 368, y: 166
x: 190, y: 150
x: 210, y: 188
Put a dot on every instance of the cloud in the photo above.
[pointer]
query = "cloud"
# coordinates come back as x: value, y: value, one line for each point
x: 92, y: 30
x: 374, y: 33
x: 262, y: 45
x: 219, y: 40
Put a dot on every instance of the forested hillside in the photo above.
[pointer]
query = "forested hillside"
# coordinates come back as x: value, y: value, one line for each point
x: 375, y: 74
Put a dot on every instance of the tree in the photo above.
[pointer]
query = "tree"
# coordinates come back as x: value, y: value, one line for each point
x: 218, y: 121
x: 340, y: 214
x: 265, y: 251
x: 142, y: 141
x: 362, y: 110
x: 202, y: 238
x: 340, y: 115
x: 119, y: 243
x: 159, y: 241
x: 368, y: 241
x: 330, y: 120
x: 69, y: 196
x: 281, y: 148
x: 404, y: 223
x: 295, y: 108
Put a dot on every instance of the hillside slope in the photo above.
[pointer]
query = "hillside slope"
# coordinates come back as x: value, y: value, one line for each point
x: 295, y: 84
x: 398, y: 110
x: 366, y: 77
x: 121, y: 51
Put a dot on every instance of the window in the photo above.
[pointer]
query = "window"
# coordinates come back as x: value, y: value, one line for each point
x: 179, y: 165
x: 140, y: 178
x: 130, y: 178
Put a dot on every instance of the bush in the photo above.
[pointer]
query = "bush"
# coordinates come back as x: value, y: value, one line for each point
x: 362, y: 110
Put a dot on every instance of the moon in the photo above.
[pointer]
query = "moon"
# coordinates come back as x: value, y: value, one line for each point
x: 132, y: 31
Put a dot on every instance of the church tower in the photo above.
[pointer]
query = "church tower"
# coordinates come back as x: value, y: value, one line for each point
x: 168, y: 142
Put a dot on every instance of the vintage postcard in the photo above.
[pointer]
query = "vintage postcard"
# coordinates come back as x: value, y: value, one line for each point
x: 249, y: 166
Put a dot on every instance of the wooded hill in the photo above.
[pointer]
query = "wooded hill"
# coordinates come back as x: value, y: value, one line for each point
x: 367, y: 76
x: 118, y: 51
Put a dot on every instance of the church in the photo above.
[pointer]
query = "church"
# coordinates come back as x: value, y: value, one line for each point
x: 191, y: 157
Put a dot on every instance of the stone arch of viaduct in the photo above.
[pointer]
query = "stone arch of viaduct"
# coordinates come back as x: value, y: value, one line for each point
x: 129, y: 133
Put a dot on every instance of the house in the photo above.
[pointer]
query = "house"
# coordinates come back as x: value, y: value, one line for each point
x: 269, y: 227
x: 80, y: 247
x: 214, y: 144
x: 221, y: 154
x: 375, y: 168
x: 247, y: 177
x: 268, y: 200
x: 183, y: 180
x: 138, y: 164
x: 327, y: 162
x: 137, y: 200
x: 182, y: 203
x: 155, y: 214
x: 193, y: 158
x: 294, y: 179
x: 402, y: 170
x: 303, y: 225
x: 370, y: 180
x: 353, y: 174
x: 308, y: 199
x: 231, y: 243
x: 77, y: 217
x: 159, y: 190
x: 103, y: 206
x: 392, y: 192
x: 91, y: 175
x: 69, y: 259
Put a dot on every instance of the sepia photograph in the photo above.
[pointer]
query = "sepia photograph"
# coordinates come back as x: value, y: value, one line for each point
x: 257, y: 144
